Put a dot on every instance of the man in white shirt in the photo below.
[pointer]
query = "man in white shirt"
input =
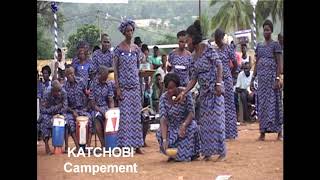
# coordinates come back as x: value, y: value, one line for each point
x: 58, y: 66
x: 162, y: 70
x: 243, y: 89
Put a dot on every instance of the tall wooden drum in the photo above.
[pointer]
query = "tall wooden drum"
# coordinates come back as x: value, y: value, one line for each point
x: 58, y: 133
x: 111, y: 128
x: 82, y: 130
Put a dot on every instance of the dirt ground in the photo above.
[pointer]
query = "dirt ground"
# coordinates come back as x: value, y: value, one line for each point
x: 247, y: 159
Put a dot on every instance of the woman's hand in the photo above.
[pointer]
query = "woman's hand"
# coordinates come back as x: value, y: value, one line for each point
x: 180, y: 98
x: 218, y: 90
x: 56, y: 65
x: 165, y: 144
x: 97, y: 109
x: 277, y: 84
x: 119, y: 94
x: 252, y: 86
x: 75, y: 114
x: 182, y: 130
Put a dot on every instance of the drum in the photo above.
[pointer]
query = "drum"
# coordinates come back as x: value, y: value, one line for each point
x: 82, y: 130
x: 112, y: 117
x: 58, y: 130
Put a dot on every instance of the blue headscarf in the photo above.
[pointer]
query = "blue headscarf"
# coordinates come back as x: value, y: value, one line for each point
x: 125, y: 23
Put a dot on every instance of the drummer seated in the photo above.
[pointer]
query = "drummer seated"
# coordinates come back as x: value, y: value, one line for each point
x: 100, y: 100
x: 76, y: 89
x: 243, y: 90
x: 54, y: 102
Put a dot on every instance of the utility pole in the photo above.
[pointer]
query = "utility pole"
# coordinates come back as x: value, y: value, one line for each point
x: 254, y: 27
x: 199, y: 9
x: 98, y: 16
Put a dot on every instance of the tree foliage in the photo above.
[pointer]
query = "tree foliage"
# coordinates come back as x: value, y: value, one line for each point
x: 205, y: 24
x: 168, y: 39
x: 232, y: 15
x: 273, y: 8
x: 88, y: 33
x: 45, y: 27
x: 79, y: 14
x: 44, y: 10
x: 44, y: 45
x: 179, y: 13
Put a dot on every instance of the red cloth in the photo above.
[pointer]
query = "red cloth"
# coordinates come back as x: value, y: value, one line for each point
x: 238, y: 57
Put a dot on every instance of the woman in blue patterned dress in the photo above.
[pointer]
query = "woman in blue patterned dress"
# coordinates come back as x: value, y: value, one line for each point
x: 126, y: 65
x: 43, y: 86
x: 178, y: 128
x: 207, y: 70
x: 180, y: 60
x: 226, y: 53
x: 81, y: 44
x: 268, y: 69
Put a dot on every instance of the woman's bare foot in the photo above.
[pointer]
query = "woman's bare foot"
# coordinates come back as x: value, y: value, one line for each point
x: 48, y: 151
x: 207, y: 158
x: 139, y: 151
x: 195, y: 157
x: 221, y: 158
x: 280, y: 137
x: 170, y: 159
x: 262, y: 137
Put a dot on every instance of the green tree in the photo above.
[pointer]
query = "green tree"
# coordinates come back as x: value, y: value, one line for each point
x: 44, y: 45
x: 44, y: 10
x: 167, y: 39
x: 205, y: 24
x: 266, y: 8
x: 232, y: 15
x: 45, y: 25
x: 88, y: 33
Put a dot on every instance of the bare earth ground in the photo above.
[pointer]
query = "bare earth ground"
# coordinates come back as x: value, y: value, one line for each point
x: 247, y: 159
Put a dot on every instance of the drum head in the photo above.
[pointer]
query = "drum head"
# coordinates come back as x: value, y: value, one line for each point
x: 58, y: 116
x: 82, y: 118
